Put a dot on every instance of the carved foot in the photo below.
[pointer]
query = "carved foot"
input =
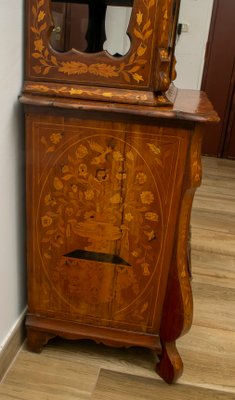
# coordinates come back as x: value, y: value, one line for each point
x: 36, y: 340
x: 170, y: 367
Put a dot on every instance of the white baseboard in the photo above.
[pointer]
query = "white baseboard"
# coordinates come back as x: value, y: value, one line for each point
x: 12, y: 344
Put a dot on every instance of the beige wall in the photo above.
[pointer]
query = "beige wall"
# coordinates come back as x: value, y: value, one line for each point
x: 190, y: 49
x: 12, y: 265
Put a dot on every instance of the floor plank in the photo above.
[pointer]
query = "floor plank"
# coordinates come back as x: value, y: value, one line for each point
x: 213, y: 241
x: 134, y: 360
x: 118, y: 386
x: 36, y: 376
x: 218, y: 168
x: 214, y: 203
x: 218, y: 222
x: 216, y: 184
x: 214, y: 306
x: 214, y: 269
x: 208, y: 356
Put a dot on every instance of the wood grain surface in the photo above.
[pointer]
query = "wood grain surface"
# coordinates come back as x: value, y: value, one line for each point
x: 99, y: 189
x: 117, y: 386
x: 69, y: 370
x: 150, y: 63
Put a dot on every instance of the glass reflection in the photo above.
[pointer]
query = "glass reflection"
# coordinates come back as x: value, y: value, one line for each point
x: 90, y: 26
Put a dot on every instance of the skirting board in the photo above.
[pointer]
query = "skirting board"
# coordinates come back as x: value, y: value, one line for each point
x: 12, y: 345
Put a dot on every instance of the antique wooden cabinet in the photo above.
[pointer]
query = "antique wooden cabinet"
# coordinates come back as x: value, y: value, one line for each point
x: 113, y: 161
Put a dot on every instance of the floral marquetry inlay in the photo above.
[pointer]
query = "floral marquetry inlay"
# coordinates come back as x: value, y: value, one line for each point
x: 113, y: 162
x: 54, y: 140
x: 129, y: 70
x: 88, y: 206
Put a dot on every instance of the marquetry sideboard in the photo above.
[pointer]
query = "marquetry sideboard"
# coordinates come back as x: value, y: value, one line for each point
x: 113, y: 161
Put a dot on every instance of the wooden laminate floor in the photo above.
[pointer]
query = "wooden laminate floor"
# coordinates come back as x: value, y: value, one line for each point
x: 83, y: 370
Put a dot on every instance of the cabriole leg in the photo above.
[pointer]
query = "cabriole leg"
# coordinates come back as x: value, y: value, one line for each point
x: 170, y: 366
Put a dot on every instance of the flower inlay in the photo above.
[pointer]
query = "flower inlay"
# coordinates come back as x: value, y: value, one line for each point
x: 128, y: 70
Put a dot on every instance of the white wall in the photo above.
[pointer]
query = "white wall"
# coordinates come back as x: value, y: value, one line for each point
x: 190, y: 49
x: 12, y: 263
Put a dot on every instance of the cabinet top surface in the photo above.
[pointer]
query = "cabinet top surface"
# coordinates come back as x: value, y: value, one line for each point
x: 190, y: 105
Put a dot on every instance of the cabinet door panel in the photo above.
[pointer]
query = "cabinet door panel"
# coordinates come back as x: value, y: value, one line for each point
x: 104, y: 199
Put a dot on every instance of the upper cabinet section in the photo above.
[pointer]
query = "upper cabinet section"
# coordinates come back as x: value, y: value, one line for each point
x: 123, y: 44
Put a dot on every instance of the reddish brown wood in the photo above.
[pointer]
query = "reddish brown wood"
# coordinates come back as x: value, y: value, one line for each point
x: 149, y: 64
x: 170, y: 366
x: 152, y: 295
x: 219, y: 77
x: 111, y: 174
x: 178, y: 305
x: 64, y: 197
x: 105, y: 335
x: 70, y: 20
x: 139, y: 97
x: 37, y: 339
x: 189, y: 105
x: 229, y: 142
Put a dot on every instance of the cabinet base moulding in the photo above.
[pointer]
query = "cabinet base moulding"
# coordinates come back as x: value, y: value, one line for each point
x: 41, y: 329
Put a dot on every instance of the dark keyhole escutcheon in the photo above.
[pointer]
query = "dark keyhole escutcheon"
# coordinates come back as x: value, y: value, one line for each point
x: 99, y: 257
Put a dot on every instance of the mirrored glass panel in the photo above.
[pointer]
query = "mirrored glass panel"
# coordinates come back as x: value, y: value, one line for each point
x: 91, y: 26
